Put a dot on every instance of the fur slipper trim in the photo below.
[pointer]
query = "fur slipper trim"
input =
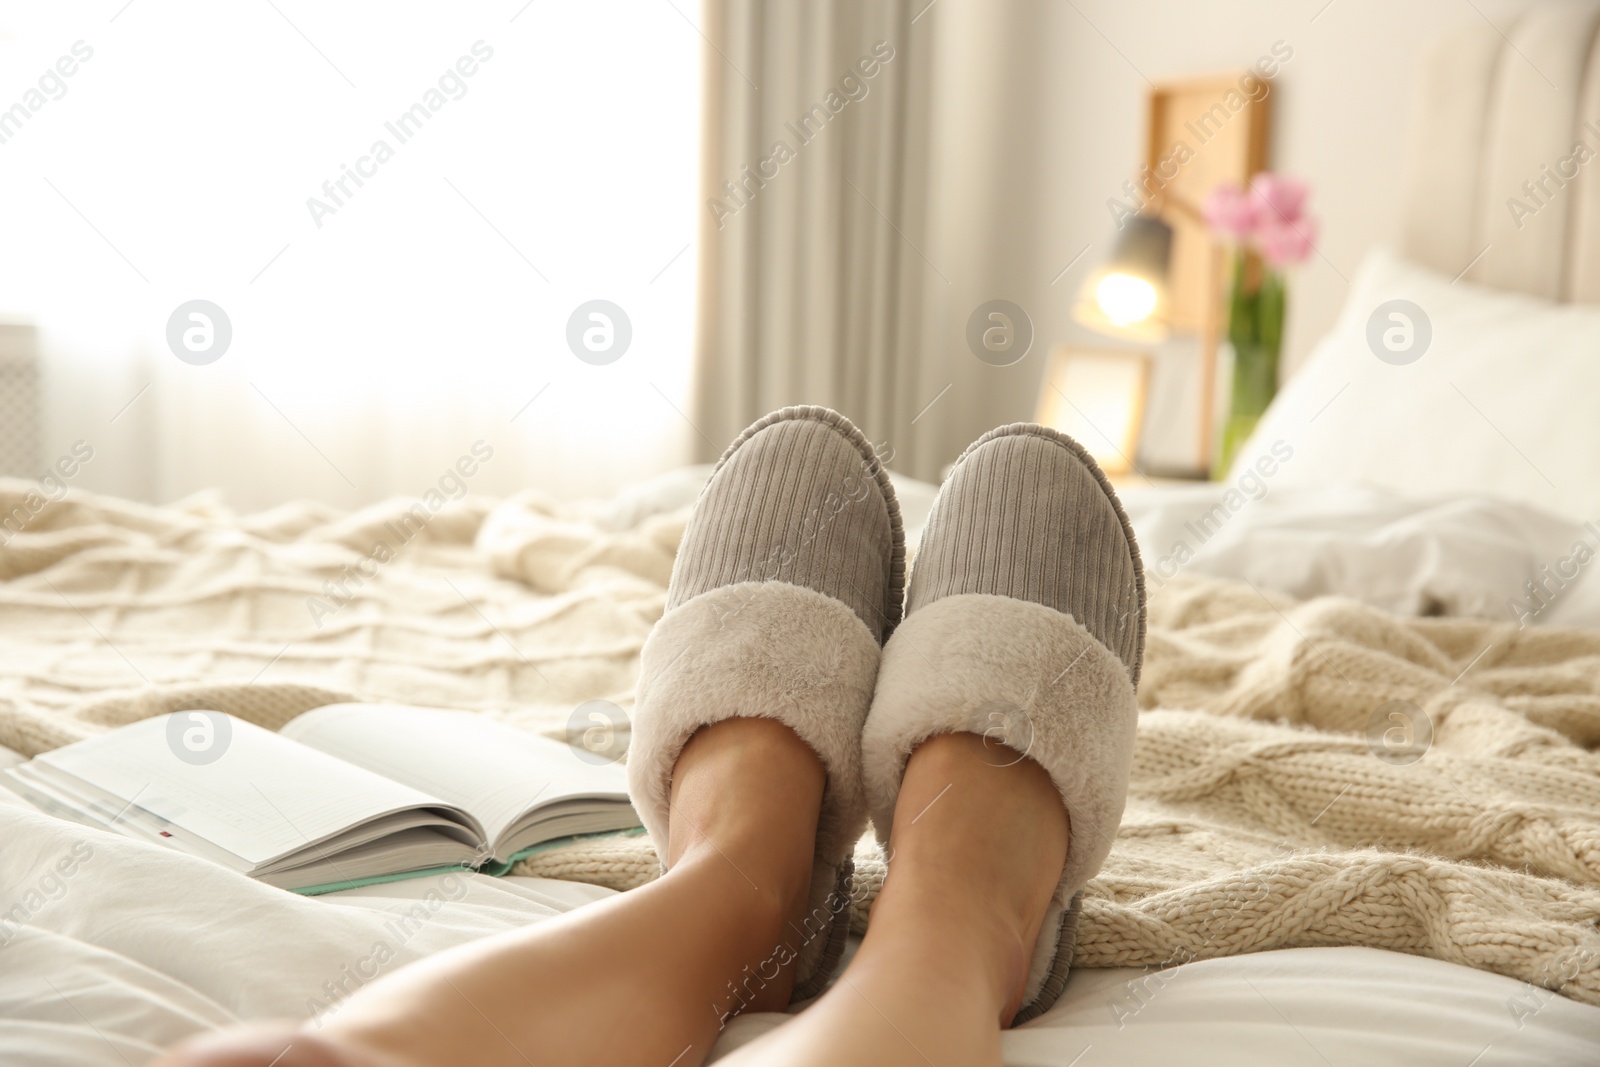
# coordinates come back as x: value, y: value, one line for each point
x: 777, y: 651
x: 1030, y: 680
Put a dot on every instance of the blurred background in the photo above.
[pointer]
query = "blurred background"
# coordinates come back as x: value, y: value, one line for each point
x: 777, y: 204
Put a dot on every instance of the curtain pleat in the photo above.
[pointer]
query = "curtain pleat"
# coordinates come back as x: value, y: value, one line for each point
x: 805, y: 295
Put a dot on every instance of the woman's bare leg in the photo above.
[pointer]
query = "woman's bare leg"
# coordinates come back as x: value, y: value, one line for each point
x: 640, y: 978
x: 977, y: 851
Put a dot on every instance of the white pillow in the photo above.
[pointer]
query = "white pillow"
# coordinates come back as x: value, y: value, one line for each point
x: 1468, y: 390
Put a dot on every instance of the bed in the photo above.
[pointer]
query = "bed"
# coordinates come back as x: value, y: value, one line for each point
x: 1291, y: 884
x: 523, y: 608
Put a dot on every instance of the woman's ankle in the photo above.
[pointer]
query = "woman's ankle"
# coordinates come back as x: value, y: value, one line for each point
x: 746, y: 795
x: 989, y: 818
x: 980, y: 837
x: 747, y: 792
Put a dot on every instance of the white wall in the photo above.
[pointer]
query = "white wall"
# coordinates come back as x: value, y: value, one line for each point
x: 1340, y: 120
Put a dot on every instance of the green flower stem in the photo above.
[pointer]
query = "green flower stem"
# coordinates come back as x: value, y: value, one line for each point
x: 1255, y: 330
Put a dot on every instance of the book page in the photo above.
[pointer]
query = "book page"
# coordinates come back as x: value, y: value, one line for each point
x: 495, y: 771
x: 263, y: 798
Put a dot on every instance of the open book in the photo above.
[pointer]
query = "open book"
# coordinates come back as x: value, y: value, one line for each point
x: 343, y: 795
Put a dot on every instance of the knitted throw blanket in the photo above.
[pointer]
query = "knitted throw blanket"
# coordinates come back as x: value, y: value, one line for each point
x: 1316, y: 773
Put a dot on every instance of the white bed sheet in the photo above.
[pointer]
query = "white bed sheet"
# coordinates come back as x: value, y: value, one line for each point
x: 1462, y: 555
x: 1313, y: 1006
x: 141, y: 946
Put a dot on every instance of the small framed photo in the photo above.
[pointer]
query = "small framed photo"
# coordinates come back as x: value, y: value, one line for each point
x: 1097, y: 395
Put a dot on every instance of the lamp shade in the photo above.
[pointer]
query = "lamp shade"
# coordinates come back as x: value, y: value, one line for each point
x: 1127, y: 296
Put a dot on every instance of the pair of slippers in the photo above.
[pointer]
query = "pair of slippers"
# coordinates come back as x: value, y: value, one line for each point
x: 1024, y: 622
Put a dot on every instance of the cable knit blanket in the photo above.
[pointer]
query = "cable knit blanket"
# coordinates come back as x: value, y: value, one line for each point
x: 1307, y: 773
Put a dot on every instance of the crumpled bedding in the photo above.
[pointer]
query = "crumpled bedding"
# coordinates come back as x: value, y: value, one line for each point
x: 523, y: 609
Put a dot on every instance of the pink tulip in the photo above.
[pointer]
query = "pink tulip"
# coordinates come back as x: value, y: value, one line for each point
x: 1282, y: 198
x: 1269, y: 216
x: 1283, y: 243
x: 1232, y: 212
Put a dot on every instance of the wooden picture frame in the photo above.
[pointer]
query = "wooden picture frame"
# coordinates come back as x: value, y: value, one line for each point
x: 1202, y: 132
x: 1098, y: 396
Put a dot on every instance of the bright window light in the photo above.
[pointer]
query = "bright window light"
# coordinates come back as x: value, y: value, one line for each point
x: 399, y: 207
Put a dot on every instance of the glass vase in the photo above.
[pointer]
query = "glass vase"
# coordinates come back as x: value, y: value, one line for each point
x: 1255, y: 332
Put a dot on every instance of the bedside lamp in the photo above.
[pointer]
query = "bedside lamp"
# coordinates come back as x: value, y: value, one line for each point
x: 1127, y: 297
x: 1099, y: 397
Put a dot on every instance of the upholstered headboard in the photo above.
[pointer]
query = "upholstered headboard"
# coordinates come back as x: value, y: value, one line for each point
x: 1503, y: 168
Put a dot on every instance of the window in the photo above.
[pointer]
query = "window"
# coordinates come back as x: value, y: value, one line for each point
x: 391, y: 213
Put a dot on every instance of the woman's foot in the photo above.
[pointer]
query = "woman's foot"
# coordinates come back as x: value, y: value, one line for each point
x: 977, y: 850
x: 1025, y: 626
x: 772, y: 830
x: 976, y: 856
x: 788, y: 580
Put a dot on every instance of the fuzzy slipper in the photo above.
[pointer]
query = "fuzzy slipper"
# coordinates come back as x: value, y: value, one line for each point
x: 788, y: 581
x: 1025, y: 624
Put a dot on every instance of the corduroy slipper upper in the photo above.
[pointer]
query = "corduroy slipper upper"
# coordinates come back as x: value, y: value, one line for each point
x: 1024, y: 623
x: 789, y: 578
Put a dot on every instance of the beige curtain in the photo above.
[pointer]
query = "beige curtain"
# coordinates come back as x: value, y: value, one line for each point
x: 842, y: 255
x: 810, y: 285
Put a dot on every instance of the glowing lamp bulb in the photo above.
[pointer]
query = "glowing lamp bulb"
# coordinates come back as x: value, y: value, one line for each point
x: 1125, y: 299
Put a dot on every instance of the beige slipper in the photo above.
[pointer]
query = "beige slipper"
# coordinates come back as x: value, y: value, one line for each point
x: 789, y: 579
x: 1024, y: 623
